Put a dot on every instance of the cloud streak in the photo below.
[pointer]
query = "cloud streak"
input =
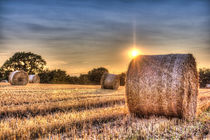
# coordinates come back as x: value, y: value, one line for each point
x: 96, y: 32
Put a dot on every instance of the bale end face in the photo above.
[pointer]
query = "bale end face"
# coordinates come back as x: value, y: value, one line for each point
x: 110, y: 81
x: 34, y: 79
x: 18, y: 77
x: 163, y: 85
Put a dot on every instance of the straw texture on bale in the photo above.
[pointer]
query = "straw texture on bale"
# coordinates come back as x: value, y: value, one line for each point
x: 18, y: 78
x: 163, y: 85
x: 110, y: 81
x: 34, y: 78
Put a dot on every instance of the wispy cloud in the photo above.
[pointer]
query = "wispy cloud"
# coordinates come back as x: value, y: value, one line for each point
x: 91, y: 33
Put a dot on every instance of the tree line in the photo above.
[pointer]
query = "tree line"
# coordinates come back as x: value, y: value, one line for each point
x: 35, y: 64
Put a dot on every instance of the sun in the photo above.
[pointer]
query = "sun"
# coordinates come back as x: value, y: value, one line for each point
x: 134, y: 52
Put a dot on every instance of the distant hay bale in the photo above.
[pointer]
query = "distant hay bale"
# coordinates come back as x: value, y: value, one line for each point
x: 207, y: 85
x: 163, y: 85
x: 110, y: 81
x: 18, y: 77
x: 4, y: 81
x: 34, y: 78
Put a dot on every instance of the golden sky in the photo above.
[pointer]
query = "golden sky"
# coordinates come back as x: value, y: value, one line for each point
x: 80, y: 35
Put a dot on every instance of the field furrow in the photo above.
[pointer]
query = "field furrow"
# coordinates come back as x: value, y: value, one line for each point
x: 11, y: 98
x: 87, y: 112
x: 12, y: 128
x: 60, y: 106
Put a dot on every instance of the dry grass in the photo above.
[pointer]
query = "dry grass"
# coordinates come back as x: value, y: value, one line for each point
x: 62, y: 106
x: 204, y: 105
x: 87, y: 112
x: 44, y: 124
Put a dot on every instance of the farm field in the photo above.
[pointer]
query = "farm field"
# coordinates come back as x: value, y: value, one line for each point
x: 87, y: 112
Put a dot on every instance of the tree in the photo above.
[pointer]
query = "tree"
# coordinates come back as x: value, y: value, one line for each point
x: 54, y: 77
x: 122, y: 79
x: 29, y: 62
x: 95, y: 74
x: 84, y: 79
x: 1, y: 75
x: 73, y: 80
x: 45, y: 76
x: 204, y: 77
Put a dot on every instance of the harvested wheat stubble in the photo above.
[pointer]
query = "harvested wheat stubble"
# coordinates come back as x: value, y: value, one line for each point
x: 110, y: 81
x: 34, y: 78
x: 163, y: 85
x: 18, y: 77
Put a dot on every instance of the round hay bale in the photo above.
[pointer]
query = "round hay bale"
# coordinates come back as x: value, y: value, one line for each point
x: 110, y: 81
x: 34, y: 78
x: 18, y: 78
x: 163, y: 85
x: 207, y: 85
x: 4, y: 81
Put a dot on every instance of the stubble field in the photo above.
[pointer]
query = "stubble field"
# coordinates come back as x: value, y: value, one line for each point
x: 88, y: 112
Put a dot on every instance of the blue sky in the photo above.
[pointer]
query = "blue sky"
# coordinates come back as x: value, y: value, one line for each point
x: 77, y: 35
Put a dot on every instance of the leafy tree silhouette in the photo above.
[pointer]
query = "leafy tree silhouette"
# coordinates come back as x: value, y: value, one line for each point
x: 95, y: 74
x: 27, y: 61
x: 204, y: 77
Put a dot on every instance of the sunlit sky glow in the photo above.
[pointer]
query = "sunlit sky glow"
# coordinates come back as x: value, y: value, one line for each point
x: 78, y: 35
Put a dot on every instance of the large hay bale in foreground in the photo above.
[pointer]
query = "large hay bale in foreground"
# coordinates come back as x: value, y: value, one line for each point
x: 18, y: 78
x: 34, y: 78
x: 110, y: 81
x: 163, y: 85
